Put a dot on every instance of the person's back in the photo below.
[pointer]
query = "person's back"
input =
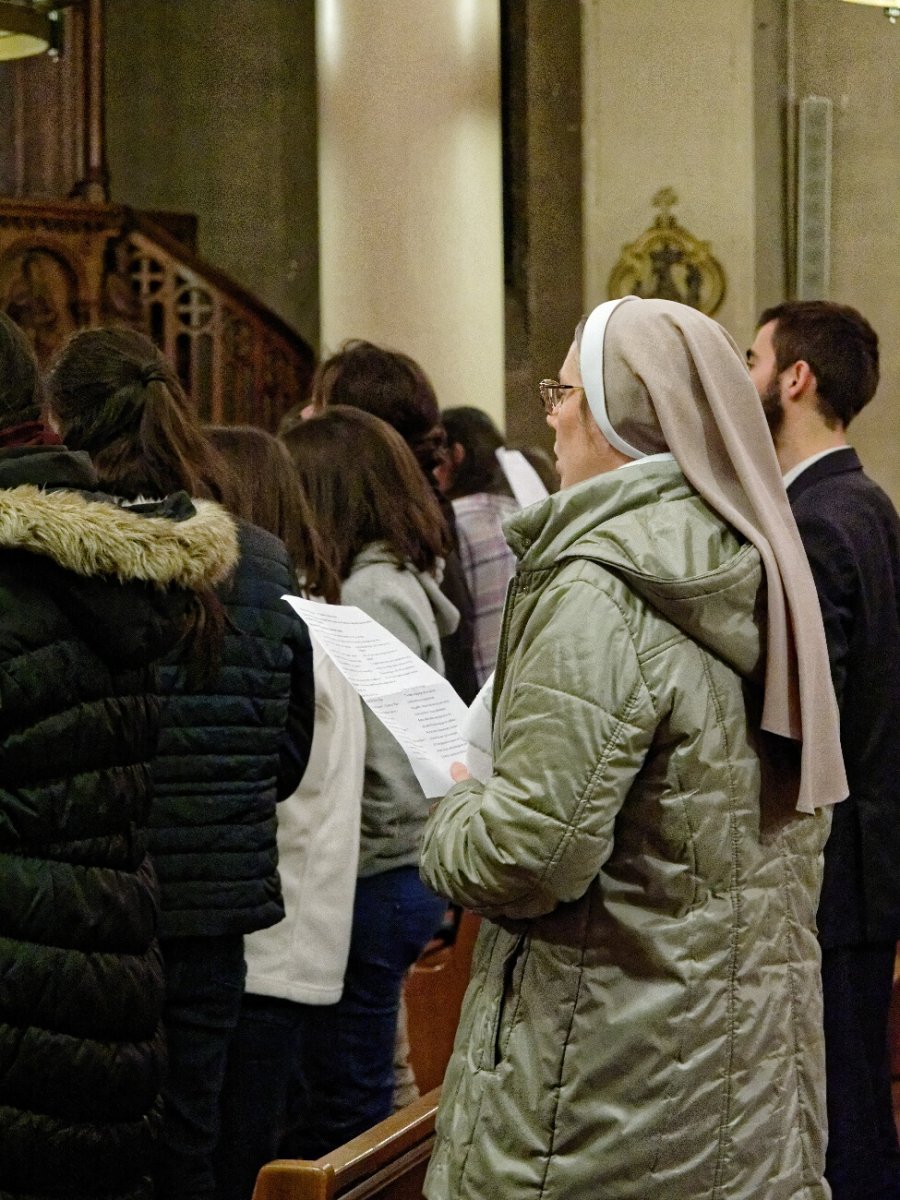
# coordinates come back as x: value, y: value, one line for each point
x: 234, y: 736
x: 224, y: 758
x: 488, y: 565
x: 847, y: 516
x: 394, y: 388
x: 815, y: 366
x: 85, y: 610
x: 229, y: 749
x: 482, y: 500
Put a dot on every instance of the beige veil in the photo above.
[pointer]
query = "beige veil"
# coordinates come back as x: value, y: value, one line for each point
x: 661, y: 376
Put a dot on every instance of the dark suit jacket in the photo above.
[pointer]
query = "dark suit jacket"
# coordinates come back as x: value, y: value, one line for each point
x: 852, y: 536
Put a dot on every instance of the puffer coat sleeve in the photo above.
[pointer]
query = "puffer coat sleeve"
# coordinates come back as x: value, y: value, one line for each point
x: 538, y: 833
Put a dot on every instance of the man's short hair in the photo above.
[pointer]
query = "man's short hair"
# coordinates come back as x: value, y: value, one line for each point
x: 840, y: 346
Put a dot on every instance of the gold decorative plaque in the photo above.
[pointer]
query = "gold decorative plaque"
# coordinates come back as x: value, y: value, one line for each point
x: 668, y: 263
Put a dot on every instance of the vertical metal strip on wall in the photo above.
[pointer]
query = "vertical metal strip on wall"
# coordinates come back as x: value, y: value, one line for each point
x: 814, y: 154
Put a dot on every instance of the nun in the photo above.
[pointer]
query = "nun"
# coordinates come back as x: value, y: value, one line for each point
x: 644, y: 1016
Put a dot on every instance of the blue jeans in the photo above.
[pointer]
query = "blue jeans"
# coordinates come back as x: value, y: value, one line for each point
x: 204, y: 983
x: 348, y: 1059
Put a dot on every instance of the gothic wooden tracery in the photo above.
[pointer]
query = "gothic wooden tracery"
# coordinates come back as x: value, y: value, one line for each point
x: 69, y: 258
x: 68, y: 264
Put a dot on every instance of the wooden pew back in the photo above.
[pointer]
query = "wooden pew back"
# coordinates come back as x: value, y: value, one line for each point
x: 434, y: 994
x: 387, y: 1162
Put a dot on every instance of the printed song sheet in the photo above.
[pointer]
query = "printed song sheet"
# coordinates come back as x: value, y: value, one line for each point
x: 417, y: 705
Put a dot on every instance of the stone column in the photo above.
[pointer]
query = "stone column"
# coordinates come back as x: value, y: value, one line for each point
x: 410, y: 187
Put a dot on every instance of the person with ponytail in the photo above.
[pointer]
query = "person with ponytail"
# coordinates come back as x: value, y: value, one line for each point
x: 235, y: 736
x: 92, y: 593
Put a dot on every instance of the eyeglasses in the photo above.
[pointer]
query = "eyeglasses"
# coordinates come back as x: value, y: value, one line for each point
x: 553, y: 394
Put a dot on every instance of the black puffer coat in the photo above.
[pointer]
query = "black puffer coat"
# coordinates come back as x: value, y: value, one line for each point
x: 81, y: 1056
x: 228, y: 751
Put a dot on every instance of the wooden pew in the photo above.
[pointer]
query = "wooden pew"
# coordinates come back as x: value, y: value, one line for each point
x: 387, y: 1162
x: 434, y: 993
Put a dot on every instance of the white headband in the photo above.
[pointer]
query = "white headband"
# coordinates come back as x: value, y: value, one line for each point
x: 591, y: 365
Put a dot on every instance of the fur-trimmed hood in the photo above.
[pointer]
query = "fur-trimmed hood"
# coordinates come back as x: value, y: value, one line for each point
x: 92, y: 536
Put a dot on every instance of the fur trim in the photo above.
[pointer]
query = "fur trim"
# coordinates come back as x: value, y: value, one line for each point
x: 97, y: 538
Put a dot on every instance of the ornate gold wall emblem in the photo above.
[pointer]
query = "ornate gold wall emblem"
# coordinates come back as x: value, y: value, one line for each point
x: 668, y: 263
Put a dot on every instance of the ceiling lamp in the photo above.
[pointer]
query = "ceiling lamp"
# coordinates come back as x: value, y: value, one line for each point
x: 891, y: 11
x: 23, y: 32
x: 30, y: 27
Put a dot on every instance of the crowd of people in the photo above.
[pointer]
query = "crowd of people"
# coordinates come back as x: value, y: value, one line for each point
x: 218, y: 865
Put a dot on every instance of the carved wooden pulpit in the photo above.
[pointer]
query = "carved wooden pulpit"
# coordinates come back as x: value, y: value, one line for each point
x: 70, y: 258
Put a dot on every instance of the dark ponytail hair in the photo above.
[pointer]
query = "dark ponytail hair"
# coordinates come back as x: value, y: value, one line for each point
x: 114, y: 395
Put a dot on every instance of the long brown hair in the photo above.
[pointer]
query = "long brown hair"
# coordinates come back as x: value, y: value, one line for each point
x: 269, y: 495
x: 364, y: 486
x: 113, y: 394
x: 390, y: 385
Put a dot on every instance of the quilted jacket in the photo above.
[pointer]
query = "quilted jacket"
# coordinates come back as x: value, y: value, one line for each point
x: 643, y: 1020
x: 228, y: 750
x: 83, y: 614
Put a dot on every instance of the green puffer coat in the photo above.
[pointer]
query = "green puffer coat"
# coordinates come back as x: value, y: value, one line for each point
x: 643, y: 1020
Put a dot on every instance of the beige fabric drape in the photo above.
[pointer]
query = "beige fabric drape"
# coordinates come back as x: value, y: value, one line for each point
x: 668, y: 377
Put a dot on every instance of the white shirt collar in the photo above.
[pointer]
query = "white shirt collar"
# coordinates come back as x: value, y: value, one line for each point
x: 797, y: 471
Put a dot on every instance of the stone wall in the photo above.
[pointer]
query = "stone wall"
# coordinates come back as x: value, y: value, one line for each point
x: 851, y: 54
x: 211, y: 109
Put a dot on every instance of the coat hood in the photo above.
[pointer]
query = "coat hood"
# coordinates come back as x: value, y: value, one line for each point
x: 125, y: 575
x: 446, y: 614
x: 93, y: 536
x: 647, y: 524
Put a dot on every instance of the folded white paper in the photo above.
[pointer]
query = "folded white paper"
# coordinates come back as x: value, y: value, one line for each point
x: 417, y: 705
x: 477, y: 730
x: 523, y: 479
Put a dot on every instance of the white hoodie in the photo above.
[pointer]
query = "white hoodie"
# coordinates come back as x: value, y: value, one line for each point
x: 303, y: 958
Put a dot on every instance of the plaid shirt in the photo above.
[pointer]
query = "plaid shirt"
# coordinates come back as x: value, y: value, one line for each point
x: 488, y: 564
